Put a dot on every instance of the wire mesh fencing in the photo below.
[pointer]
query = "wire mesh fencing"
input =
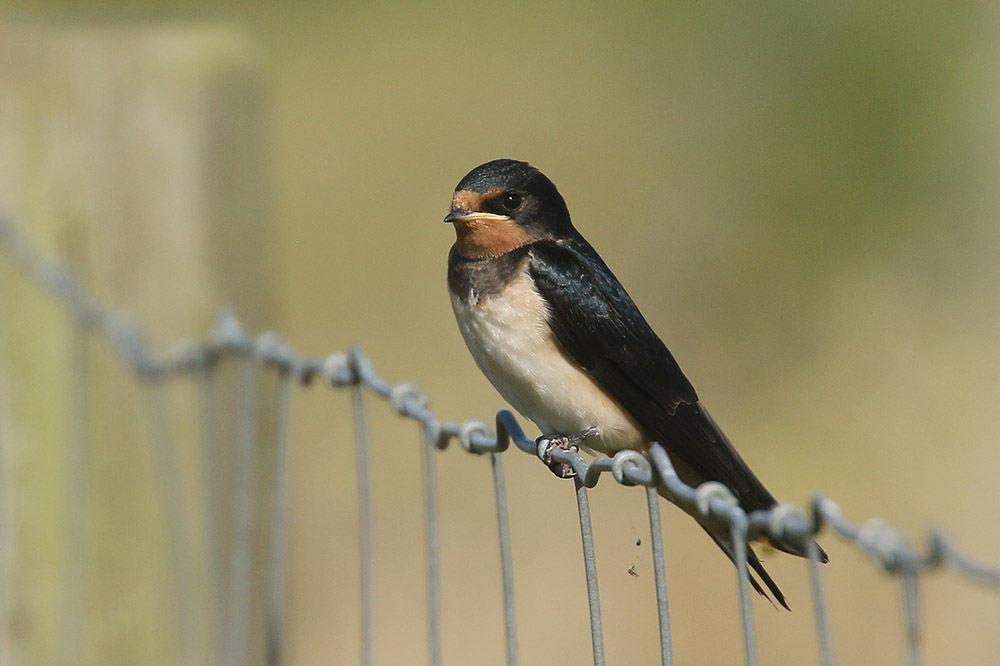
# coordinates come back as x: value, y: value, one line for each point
x: 354, y: 372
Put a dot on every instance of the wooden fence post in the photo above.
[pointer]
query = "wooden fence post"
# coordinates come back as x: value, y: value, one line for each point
x: 140, y: 155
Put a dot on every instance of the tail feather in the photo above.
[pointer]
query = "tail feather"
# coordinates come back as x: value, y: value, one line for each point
x: 755, y: 564
x: 723, y: 540
x: 793, y: 549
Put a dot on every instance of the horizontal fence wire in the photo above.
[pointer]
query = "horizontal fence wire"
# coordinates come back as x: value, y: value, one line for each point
x: 353, y: 369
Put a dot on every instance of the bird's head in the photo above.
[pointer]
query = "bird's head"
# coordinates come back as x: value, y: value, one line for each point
x: 503, y: 205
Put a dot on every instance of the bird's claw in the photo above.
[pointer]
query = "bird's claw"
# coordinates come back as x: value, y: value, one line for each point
x: 548, y: 443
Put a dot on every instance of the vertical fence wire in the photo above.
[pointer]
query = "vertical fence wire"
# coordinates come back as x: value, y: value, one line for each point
x: 212, y: 470
x: 659, y: 575
x: 246, y: 490
x: 7, y: 487
x: 279, y: 525
x: 590, y: 569
x: 911, y: 616
x: 506, y: 558
x: 739, y: 537
x: 5, y: 512
x: 76, y: 470
x: 819, y: 605
x: 167, y: 473
x: 431, y: 546
x: 364, y: 524
x: 6, y: 521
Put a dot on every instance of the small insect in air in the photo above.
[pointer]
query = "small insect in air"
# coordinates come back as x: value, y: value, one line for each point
x: 632, y: 572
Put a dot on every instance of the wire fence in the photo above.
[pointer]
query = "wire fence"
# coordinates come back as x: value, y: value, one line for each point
x: 353, y: 371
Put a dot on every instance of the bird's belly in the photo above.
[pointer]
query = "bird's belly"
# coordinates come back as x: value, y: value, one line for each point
x: 513, y: 345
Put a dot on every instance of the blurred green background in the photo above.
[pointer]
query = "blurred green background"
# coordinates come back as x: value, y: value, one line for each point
x: 801, y: 197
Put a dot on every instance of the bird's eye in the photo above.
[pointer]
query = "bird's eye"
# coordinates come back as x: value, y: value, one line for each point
x: 511, y: 201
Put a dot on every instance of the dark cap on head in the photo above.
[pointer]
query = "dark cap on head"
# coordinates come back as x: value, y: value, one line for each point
x: 543, y: 208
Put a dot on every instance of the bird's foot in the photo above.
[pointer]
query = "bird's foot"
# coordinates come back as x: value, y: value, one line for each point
x: 548, y: 443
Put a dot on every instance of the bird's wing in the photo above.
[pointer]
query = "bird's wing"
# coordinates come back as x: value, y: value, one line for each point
x: 599, y: 326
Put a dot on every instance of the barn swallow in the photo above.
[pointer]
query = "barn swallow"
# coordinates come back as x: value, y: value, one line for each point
x: 560, y: 339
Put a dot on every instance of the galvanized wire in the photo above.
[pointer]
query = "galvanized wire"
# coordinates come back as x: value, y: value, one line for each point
x: 166, y: 471
x: 590, y: 569
x: 431, y: 548
x: 911, y: 617
x: 659, y: 576
x: 214, y: 522
x: 506, y: 558
x: 465, y: 435
x: 364, y: 526
x: 6, y: 510
x: 823, y: 638
x: 246, y: 519
x: 279, y: 527
x: 711, y: 502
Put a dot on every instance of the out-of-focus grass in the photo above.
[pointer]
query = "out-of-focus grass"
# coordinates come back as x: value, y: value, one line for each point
x: 800, y: 197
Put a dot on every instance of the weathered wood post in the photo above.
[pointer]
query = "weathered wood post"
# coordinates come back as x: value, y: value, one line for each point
x: 139, y: 154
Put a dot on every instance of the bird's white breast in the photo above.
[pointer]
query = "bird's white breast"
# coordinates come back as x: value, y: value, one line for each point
x: 513, y: 345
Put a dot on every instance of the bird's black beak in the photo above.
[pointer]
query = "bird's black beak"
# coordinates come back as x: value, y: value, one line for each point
x: 456, y: 215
